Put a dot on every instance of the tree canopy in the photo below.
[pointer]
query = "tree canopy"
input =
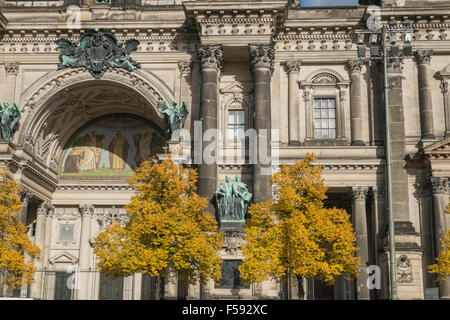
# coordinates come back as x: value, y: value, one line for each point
x: 295, y: 233
x: 17, y: 252
x: 442, y: 266
x: 167, y: 228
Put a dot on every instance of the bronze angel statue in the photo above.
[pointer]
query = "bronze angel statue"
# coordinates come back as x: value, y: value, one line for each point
x: 175, y: 116
x: 9, y: 118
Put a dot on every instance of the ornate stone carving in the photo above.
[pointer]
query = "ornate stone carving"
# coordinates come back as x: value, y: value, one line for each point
x: 232, y: 242
x: 184, y: 67
x: 440, y: 185
x: 97, y: 51
x: 424, y: 56
x: 404, y: 269
x: 106, y: 217
x: 354, y: 66
x: 46, y: 208
x: 359, y: 194
x: 12, y: 68
x: 210, y: 57
x: 25, y: 196
x: 293, y: 67
x: 325, y: 77
x: 395, y: 65
x: 86, y: 210
x: 262, y: 56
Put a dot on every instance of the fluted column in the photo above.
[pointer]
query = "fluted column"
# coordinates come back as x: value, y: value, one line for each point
x: 293, y: 70
x: 423, y: 58
x: 12, y: 69
x: 87, y: 213
x: 440, y: 189
x: 444, y: 76
x: 39, y: 240
x: 354, y: 67
x: 211, y: 60
x: 360, y: 223
x: 262, y: 61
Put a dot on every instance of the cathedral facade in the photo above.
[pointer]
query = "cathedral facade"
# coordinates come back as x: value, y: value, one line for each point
x: 91, y: 78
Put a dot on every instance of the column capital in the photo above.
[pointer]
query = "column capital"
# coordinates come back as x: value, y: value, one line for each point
x: 46, y: 208
x: 424, y: 56
x: 440, y: 185
x: 86, y: 210
x: 210, y: 56
x: 262, y: 56
x: 25, y: 196
x: 293, y: 67
x: 184, y: 67
x: 354, y: 66
x: 359, y: 194
x: 12, y: 68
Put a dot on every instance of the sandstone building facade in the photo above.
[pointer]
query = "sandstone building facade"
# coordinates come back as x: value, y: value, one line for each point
x: 238, y: 65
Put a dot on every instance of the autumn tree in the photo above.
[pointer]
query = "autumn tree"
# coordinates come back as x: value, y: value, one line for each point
x: 17, y: 252
x: 167, y: 230
x: 295, y: 234
x: 442, y: 266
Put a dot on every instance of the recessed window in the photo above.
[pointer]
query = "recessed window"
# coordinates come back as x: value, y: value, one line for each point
x: 236, y: 125
x: 324, y: 118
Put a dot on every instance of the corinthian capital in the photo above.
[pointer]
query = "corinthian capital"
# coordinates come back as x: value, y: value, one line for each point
x: 359, y: 194
x: 46, y: 208
x: 86, y: 209
x: 12, y: 68
x: 440, y: 185
x: 210, y: 56
x: 424, y: 56
x: 262, y: 56
x: 293, y: 66
x: 354, y: 66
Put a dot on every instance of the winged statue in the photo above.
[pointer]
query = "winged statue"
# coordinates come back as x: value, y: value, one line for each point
x: 175, y: 117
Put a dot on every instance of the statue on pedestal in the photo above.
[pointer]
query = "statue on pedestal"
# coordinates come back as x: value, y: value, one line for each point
x: 175, y: 117
x: 232, y: 200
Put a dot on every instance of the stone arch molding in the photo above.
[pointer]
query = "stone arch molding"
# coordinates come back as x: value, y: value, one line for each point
x: 328, y: 74
x: 36, y: 102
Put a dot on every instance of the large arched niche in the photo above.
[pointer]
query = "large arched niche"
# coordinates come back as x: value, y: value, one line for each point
x: 110, y: 147
x: 57, y: 106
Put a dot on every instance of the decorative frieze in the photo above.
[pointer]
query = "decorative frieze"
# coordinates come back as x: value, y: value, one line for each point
x: 262, y: 56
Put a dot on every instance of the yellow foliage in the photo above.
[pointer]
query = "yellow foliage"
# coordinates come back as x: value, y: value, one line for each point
x: 295, y: 233
x: 14, y: 242
x: 167, y: 230
x: 442, y: 266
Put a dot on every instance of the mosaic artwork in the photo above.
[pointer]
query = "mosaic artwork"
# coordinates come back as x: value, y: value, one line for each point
x: 111, y: 148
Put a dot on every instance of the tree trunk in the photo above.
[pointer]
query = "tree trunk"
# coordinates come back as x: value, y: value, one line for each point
x: 301, y: 289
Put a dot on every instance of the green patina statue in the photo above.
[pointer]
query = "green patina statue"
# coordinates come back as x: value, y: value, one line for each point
x: 9, y: 119
x: 97, y: 51
x: 175, y: 117
x: 232, y: 200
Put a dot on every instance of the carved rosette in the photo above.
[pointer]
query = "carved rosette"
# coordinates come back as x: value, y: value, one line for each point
x: 262, y: 56
x: 210, y: 57
x: 440, y: 185
x: 12, y: 68
x: 359, y: 194
x: 293, y: 67
x: 424, y: 56
x: 354, y: 66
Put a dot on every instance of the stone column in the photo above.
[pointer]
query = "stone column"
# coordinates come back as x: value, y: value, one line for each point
x: 444, y: 76
x: 211, y: 59
x: 185, y: 73
x: 359, y: 218
x: 25, y: 196
x: 39, y: 240
x: 261, y: 61
x: 354, y: 67
x: 423, y: 58
x: 293, y: 70
x: 12, y: 69
x: 87, y: 213
x: 440, y: 189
